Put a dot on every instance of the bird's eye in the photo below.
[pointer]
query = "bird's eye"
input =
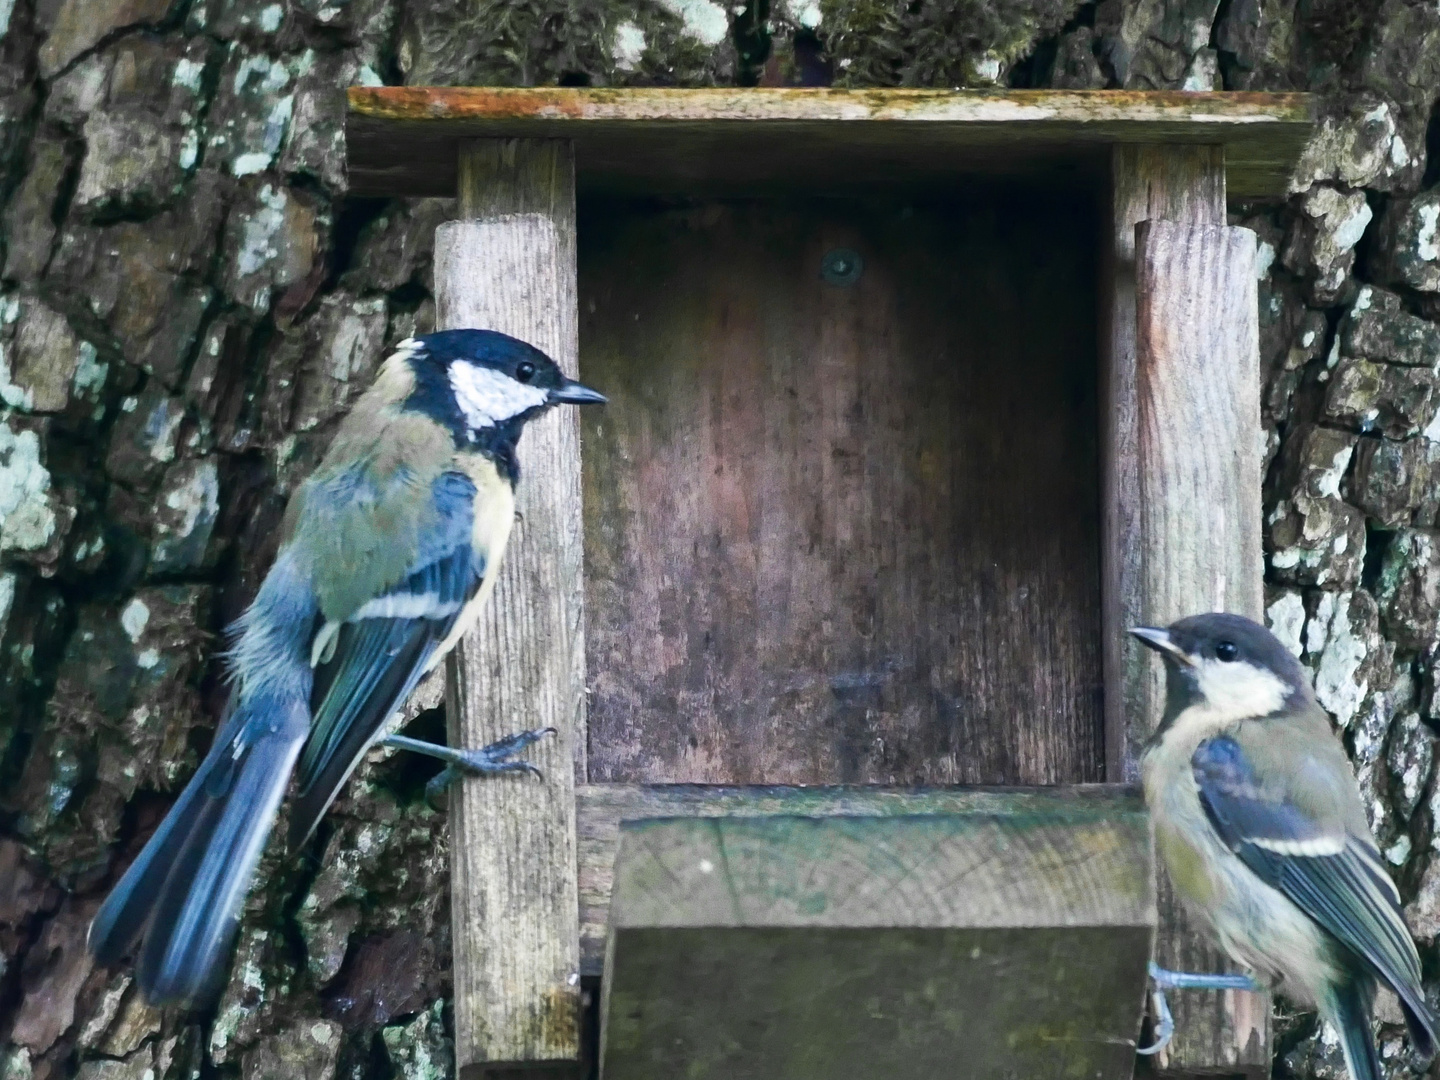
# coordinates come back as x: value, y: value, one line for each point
x: 1226, y: 651
x: 525, y: 371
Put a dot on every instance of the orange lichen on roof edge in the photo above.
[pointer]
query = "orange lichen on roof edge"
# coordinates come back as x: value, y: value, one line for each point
x: 479, y: 103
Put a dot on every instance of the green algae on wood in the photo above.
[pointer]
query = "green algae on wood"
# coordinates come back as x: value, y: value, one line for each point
x: 600, y: 809
x: 894, y: 945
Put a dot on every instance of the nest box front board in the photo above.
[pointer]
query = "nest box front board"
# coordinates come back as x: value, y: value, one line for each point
x: 891, y: 455
x: 843, y: 513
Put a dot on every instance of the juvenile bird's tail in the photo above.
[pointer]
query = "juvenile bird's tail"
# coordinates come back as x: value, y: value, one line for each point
x: 1348, y: 1008
x: 185, y: 890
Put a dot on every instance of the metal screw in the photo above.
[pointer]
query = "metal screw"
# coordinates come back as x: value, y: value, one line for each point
x: 842, y: 266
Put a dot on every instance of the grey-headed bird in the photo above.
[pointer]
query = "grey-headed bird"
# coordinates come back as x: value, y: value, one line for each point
x: 1259, y: 821
x: 388, y: 551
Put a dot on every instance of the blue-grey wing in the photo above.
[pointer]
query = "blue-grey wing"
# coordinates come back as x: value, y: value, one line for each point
x: 382, y: 652
x: 1334, y: 877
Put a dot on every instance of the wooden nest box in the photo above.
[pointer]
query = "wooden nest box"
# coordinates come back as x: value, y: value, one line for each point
x: 918, y: 400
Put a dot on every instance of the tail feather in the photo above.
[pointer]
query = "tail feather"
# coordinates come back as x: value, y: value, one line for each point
x: 185, y: 891
x: 1421, y: 1022
x: 1349, y: 1009
x: 1420, y: 1018
x: 120, y: 920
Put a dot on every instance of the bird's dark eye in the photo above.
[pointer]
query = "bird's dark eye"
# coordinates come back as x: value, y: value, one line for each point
x: 525, y: 371
x: 1226, y: 651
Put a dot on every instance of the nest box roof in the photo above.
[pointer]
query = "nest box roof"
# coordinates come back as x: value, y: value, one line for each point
x: 403, y: 140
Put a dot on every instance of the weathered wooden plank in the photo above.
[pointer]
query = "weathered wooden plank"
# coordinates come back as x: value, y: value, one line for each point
x: 1185, y: 184
x: 842, y: 533
x: 1198, y: 396
x: 1067, y: 865
x: 895, y: 946
x: 600, y: 808
x: 1198, y: 391
x: 510, y: 266
x: 401, y: 140
x: 1019, y: 110
x: 1186, y: 494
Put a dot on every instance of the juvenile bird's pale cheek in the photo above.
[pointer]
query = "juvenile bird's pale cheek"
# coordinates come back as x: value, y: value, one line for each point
x: 1238, y: 690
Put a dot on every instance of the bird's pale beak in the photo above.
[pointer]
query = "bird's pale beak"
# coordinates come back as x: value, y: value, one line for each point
x: 1159, y: 640
x: 573, y: 393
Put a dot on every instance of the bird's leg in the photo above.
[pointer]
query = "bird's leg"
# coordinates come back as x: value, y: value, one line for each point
x: 1183, y: 980
x: 498, y: 757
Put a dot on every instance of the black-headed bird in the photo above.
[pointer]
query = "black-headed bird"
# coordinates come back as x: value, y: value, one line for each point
x: 388, y: 551
x: 1259, y: 820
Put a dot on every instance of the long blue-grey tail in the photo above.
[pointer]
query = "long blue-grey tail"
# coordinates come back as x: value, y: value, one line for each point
x: 1349, y: 1007
x: 182, y: 896
x: 185, y: 890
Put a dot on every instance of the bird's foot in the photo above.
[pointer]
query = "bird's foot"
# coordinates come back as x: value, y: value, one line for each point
x: 498, y: 757
x: 1164, y: 979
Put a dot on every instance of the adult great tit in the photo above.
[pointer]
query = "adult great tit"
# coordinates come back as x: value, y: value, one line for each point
x: 1259, y: 821
x: 388, y: 552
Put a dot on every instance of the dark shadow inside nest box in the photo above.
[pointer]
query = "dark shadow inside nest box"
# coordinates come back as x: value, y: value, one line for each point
x: 842, y: 512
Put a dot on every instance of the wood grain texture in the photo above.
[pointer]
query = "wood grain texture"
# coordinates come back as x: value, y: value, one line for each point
x: 802, y: 947
x: 1074, y: 866
x: 600, y: 808
x: 1198, y: 391
x: 1185, y: 184
x: 1198, y: 402
x: 510, y: 266
x: 1198, y: 539
x: 842, y: 534
x: 402, y: 140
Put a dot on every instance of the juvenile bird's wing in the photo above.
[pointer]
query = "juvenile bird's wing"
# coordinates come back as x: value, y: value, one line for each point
x: 380, y: 653
x: 1315, y: 858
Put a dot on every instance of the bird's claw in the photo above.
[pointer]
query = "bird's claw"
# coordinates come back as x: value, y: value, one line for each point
x: 498, y: 757
x: 1164, y: 1024
x: 1182, y: 980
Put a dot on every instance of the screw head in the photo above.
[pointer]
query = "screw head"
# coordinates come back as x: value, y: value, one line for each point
x: 841, y: 266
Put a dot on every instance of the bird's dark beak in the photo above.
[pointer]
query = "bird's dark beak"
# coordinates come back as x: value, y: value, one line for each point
x: 573, y: 393
x: 1159, y: 640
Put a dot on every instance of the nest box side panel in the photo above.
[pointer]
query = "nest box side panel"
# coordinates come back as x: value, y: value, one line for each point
x: 1182, y: 497
x: 510, y: 266
x: 841, y: 517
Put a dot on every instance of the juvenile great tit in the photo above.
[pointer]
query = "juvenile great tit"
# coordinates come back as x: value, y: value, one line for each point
x: 1259, y: 821
x: 388, y: 552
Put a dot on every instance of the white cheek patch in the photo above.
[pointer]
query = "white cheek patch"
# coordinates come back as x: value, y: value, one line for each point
x: 1238, y: 690
x: 488, y: 397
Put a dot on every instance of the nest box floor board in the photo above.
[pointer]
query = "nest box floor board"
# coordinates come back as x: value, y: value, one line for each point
x: 842, y: 532
x: 600, y: 809
x: 1010, y: 945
